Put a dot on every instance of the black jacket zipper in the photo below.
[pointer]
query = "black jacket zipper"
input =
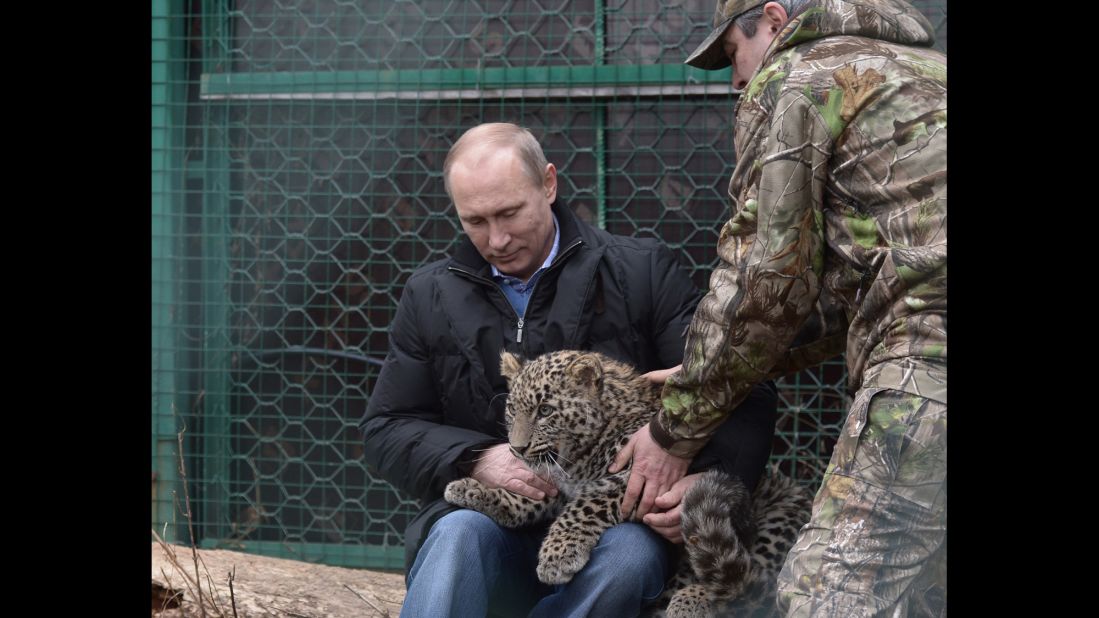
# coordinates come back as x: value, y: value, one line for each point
x: 519, y: 318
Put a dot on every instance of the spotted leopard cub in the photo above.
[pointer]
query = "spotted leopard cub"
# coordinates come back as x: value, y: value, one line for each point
x: 568, y: 415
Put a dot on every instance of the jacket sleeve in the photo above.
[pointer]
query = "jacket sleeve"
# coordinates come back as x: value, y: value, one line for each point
x: 407, y: 443
x: 674, y: 300
x: 767, y: 281
x: 741, y: 444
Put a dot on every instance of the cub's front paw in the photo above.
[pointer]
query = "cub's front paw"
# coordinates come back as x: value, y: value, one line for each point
x: 465, y: 492
x: 559, y: 567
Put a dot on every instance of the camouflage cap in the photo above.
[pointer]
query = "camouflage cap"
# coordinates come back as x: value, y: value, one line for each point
x: 710, y: 55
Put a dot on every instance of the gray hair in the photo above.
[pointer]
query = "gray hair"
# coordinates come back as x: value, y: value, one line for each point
x: 501, y: 135
x: 749, y: 20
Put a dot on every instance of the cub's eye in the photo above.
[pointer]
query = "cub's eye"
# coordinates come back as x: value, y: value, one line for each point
x: 545, y: 410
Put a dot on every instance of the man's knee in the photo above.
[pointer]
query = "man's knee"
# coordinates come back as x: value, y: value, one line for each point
x: 633, y: 538
x: 634, y: 549
x: 459, y: 543
x: 627, y: 569
x: 465, y: 528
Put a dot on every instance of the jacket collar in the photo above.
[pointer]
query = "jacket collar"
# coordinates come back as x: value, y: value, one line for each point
x: 890, y: 21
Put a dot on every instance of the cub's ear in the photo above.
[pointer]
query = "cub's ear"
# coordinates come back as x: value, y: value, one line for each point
x: 587, y: 371
x: 510, y: 365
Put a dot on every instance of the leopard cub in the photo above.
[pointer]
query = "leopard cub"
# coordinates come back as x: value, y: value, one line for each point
x: 568, y: 414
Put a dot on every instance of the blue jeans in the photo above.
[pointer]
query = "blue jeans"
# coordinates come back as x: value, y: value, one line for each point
x: 470, y: 566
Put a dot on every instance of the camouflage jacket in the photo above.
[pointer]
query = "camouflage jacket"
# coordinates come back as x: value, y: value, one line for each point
x: 838, y: 235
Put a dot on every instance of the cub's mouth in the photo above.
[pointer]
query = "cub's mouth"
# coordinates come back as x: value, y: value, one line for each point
x: 531, y: 454
x: 542, y: 456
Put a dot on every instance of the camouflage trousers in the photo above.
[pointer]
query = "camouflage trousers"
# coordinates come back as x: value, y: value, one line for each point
x: 875, y: 544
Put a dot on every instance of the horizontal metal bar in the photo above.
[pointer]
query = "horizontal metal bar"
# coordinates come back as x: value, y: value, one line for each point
x: 510, y: 93
x: 297, y: 349
x: 501, y: 83
x: 332, y: 554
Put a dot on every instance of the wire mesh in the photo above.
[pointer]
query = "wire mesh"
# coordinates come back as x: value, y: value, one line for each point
x: 297, y: 156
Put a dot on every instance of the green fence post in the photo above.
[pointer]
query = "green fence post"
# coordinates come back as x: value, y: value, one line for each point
x: 167, y: 93
x: 600, y: 121
x: 213, y: 442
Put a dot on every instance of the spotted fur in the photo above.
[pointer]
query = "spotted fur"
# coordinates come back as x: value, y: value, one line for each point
x: 736, y: 544
x: 568, y: 415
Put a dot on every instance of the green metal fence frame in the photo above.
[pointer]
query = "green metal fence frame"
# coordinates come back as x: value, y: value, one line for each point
x: 167, y: 125
x: 484, y: 83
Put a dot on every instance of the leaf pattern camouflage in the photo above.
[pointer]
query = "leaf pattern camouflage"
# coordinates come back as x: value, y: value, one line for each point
x: 876, y: 542
x: 837, y: 240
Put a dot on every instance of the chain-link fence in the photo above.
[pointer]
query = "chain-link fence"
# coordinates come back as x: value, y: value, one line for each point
x: 297, y: 156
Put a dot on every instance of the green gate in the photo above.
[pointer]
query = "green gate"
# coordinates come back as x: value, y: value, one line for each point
x: 296, y: 165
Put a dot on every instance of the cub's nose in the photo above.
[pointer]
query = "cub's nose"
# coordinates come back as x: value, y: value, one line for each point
x: 519, y: 450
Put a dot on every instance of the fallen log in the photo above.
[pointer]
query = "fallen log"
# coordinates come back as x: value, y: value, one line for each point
x: 265, y: 586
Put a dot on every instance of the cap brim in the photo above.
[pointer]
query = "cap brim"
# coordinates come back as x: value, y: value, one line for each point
x: 710, y: 55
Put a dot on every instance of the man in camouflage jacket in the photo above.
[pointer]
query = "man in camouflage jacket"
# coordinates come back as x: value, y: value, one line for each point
x: 837, y: 242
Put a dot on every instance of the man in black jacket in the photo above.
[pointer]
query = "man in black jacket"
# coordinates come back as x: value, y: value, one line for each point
x: 530, y: 278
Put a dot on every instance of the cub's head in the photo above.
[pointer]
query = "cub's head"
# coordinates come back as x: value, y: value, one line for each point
x: 553, y: 407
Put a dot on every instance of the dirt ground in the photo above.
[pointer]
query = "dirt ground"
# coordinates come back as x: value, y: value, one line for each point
x: 264, y: 586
